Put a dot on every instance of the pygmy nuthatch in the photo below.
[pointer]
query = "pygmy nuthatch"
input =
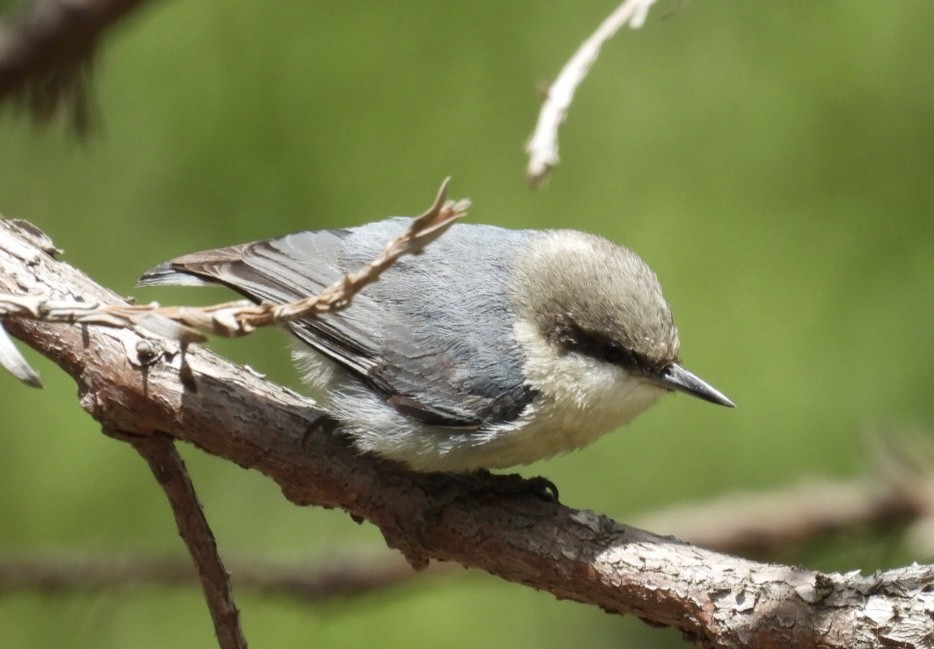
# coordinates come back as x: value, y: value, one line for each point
x: 492, y: 348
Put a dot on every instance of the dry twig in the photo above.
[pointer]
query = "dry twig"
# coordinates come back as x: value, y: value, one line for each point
x: 339, y: 577
x: 542, y: 146
x: 797, y: 514
x: 231, y: 319
x: 170, y: 472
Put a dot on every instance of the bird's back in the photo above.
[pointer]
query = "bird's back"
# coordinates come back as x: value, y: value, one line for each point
x: 433, y: 336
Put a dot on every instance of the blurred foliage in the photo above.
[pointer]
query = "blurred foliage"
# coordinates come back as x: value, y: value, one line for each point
x: 771, y: 161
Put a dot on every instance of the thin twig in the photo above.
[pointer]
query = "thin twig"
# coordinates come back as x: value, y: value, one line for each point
x: 326, y: 581
x: 797, y: 514
x: 422, y: 231
x: 170, y: 472
x: 238, y: 318
x: 543, y: 144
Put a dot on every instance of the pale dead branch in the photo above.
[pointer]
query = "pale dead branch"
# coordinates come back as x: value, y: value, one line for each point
x: 542, y: 146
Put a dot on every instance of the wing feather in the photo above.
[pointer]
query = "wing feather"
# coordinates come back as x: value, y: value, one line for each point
x: 425, y: 349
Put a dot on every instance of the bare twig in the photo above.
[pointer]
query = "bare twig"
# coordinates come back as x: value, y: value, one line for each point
x: 172, y: 476
x: 232, y: 319
x: 422, y: 231
x: 797, y: 514
x: 542, y: 146
x: 338, y: 577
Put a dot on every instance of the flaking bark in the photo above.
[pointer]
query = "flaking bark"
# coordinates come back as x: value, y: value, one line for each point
x: 131, y: 383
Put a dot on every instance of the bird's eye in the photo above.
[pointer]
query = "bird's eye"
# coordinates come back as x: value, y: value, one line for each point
x: 613, y: 353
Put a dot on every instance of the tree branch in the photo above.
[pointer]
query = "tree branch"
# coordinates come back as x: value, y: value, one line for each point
x: 171, y: 474
x: 714, y: 599
x: 542, y: 146
x: 797, y: 514
x: 46, y: 52
x: 231, y: 319
x: 335, y: 578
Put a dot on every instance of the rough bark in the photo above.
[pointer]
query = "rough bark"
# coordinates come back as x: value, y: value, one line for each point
x: 130, y: 382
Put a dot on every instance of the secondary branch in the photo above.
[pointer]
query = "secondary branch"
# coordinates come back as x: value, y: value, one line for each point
x: 480, y: 521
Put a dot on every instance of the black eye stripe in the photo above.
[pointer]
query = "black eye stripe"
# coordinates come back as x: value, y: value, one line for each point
x: 576, y: 340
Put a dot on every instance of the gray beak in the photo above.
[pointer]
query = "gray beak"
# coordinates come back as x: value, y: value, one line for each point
x: 675, y: 377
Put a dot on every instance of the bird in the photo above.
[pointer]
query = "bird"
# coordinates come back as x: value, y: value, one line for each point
x: 491, y: 348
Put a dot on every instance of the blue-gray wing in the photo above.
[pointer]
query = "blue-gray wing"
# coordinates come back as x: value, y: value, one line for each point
x: 433, y: 336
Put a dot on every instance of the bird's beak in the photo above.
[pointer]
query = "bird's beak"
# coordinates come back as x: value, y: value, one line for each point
x: 675, y: 377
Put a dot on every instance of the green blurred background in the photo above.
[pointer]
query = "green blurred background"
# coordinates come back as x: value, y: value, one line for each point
x: 772, y: 161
